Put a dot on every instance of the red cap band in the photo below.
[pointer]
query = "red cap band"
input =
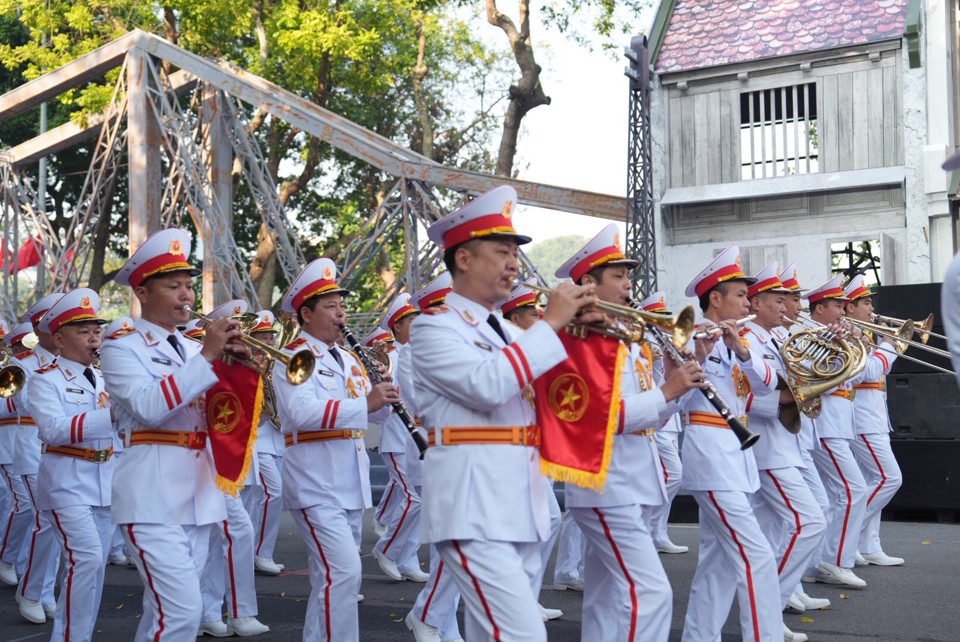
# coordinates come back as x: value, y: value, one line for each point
x: 477, y: 228
x: 726, y: 273
x: 527, y: 299
x: 832, y: 293
x: 399, y: 314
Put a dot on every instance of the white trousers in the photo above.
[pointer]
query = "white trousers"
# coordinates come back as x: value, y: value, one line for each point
x: 437, y: 602
x: 43, y: 553
x: 497, y: 582
x: 169, y: 558
x: 546, y: 546
x: 386, y: 510
x: 882, y: 475
x: 264, y: 504
x: 84, y: 533
x: 812, y: 477
x: 672, y: 470
x: 334, y: 560
x: 791, y: 519
x: 569, y: 563
x: 228, y: 573
x: 402, y: 539
x: 16, y: 520
x: 847, y: 494
x: 733, y: 554
x: 626, y: 594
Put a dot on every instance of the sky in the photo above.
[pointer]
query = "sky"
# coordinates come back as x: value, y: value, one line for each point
x: 580, y: 139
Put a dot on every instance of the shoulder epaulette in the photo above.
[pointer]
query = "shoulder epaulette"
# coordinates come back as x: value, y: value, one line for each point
x: 437, y: 309
x: 24, y: 355
x: 47, y: 369
x: 122, y: 332
x: 296, y: 344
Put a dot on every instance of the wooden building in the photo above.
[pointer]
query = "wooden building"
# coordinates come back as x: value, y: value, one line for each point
x: 794, y: 127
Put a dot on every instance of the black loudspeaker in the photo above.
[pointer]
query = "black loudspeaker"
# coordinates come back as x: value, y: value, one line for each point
x: 923, y: 406
x: 931, y: 487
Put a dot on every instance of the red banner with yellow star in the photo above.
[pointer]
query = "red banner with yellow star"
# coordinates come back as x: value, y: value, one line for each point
x: 233, y: 414
x: 578, y: 408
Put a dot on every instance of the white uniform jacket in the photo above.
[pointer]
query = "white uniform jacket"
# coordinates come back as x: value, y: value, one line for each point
x: 269, y: 437
x: 870, y: 416
x: 334, y: 472
x: 836, y: 418
x: 635, y: 475
x: 777, y: 447
x: 26, y: 459
x: 712, y: 458
x: 153, y: 388
x: 394, y: 437
x: 8, y: 429
x: 71, y: 412
x: 464, y: 375
x: 403, y: 376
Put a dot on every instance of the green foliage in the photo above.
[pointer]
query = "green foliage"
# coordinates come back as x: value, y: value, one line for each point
x: 550, y: 254
x: 590, y: 22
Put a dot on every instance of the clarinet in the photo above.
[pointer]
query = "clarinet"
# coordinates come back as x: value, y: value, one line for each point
x: 374, y: 374
x: 745, y: 435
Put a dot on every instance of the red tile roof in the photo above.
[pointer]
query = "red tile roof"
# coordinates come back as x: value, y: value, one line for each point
x: 707, y: 33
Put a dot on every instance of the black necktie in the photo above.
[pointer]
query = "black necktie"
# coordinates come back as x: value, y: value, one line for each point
x: 172, y: 340
x: 492, y: 320
x: 88, y: 373
x: 336, y: 356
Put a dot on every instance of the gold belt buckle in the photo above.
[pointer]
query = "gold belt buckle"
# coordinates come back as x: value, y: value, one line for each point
x: 101, y: 456
x: 356, y: 434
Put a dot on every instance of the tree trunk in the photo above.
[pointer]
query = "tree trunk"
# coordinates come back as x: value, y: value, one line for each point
x: 423, y: 110
x: 528, y: 92
x: 263, y: 271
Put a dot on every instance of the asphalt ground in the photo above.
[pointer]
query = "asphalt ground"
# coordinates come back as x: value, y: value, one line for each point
x: 916, y: 602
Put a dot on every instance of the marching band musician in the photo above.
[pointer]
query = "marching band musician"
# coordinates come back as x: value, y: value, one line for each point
x: 228, y: 572
x: 326, y: 478
x: 667, y: 438
x: 721, y: 476
x: 522, y: 309
x: 35, y: 590
x: 484, y: 498
x: 872, y: 427
x: 264, y: 498
x: 785, y: 507
x: 627, y: 595
x: 72, y: 411
x: 164, y: 493
x: 838, y: 468
x: 793, y: 304
x: 396, y: 550
x: 433, y: 617
x: 15, y: 514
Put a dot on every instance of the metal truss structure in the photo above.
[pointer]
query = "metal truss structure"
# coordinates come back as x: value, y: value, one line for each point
x: 181, y: 152
x: 641, y: 233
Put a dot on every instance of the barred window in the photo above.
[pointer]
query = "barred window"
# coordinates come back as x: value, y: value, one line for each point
x: 778, y: 132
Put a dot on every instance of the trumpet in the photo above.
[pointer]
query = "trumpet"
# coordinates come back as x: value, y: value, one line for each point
x: 708, y: 333
x: 300, y: 365
x: 12, y: 378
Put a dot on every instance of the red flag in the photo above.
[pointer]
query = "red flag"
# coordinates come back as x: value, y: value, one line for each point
x: 233, y: 414
x: 578, y: 419
x: 28, y: 255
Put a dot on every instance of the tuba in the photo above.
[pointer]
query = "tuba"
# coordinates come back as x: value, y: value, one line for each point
x: 817, y: 360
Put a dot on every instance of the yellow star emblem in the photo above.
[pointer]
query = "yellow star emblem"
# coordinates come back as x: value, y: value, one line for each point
x: 225, y: 413
x: 570, y: 397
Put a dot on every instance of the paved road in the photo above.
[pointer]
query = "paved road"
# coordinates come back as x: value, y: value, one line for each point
x: 917, y: 602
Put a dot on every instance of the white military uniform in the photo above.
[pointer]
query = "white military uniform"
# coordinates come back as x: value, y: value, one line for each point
x: 873, y: 452
x: 786, y: 509
x: 626, y: 595
x: 164, y: 495
x: 42, y: 548
x: 16, y: 511
x: 400, y: 455
x: 326, y: 483
x: 484, y: 505
x: 667, y: 438
x: 264, y: 501
x: 73, y: 417
x: 721, y: 477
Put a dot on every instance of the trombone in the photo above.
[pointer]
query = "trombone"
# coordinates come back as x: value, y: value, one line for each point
x: 299, y: 365
x: 923, y: 329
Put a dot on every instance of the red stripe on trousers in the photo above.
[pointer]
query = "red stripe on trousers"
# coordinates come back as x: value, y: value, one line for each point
x: 846, y: 487
x: 13, y: 509
x: 266, y: 506
x: 436, y: 583
x: 323, y: 558
x: 33, y: 540
x: 384, y: 503
x: 796, y: 519
x: 626, y: 574
x: 233, y: 580
x: 70, y: 561
x: 476, y: 587
x: 666, y: 475
x: 146, y: 571
x: 876, y: 460
x: 406, y: 491
x: 746, y: 561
